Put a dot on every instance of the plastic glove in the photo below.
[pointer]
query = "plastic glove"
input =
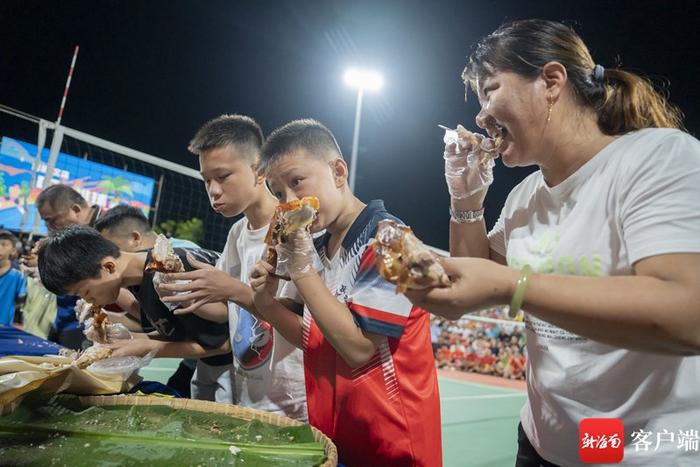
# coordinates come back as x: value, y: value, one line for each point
x: 468, y: 168
x: 297, y: 257
x: 107, y: 333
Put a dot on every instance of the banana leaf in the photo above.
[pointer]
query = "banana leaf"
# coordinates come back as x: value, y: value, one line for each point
x: 60, y: 431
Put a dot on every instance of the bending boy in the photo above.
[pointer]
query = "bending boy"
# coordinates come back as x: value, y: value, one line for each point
x: 79, y: 261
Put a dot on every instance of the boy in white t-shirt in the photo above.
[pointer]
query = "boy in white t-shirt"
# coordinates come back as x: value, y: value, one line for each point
x: 269, y: 370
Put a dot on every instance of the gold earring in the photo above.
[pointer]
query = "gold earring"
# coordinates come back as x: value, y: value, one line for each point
x: 549, y: 110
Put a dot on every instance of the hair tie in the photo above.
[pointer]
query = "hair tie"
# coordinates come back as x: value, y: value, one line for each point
x: 599, y: 74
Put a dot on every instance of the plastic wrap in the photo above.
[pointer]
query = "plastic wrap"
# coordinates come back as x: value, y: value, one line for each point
x: 162, y: 278
x: 123, y: 367
x: 54, y: 374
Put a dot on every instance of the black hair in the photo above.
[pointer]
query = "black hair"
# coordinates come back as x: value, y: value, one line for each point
x: 308, y: 134
x: 123, y: 217
x: 72, y: 255
x: 7, y: 235
x: 60, y: 196
x: 623, y: 101
x: 227, y: 130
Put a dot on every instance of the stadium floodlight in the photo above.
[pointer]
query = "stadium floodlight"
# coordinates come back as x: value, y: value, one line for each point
x: 363, y: 79
x: 360, y: 79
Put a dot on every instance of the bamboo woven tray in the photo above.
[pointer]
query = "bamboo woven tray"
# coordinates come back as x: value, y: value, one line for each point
x: 243, y: 413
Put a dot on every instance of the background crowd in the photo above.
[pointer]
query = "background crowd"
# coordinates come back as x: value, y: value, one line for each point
x: 469, y: 344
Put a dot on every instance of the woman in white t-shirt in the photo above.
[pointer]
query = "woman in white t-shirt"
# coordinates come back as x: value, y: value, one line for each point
x: 599, y: 247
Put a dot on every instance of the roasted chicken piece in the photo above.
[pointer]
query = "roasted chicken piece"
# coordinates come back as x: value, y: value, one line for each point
x: 404, y: 260
x: 92, y: 355
x: 288, y: 218
x: 84, y: 310
x: 95, y: 319
x: 486, y: 148
x: 163, y: 257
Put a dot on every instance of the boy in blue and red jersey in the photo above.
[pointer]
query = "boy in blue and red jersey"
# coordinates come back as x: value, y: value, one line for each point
x: 370, y: 374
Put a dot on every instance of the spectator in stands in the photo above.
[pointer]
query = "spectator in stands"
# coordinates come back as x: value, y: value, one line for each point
x: 435, y: 335
x: 39, y: 308
x: 491, y: 348
x: 12, y: 283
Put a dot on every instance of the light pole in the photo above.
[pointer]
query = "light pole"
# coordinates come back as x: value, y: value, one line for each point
x: 360, y: 79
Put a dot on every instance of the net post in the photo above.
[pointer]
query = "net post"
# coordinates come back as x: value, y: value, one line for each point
x: 161, y: 180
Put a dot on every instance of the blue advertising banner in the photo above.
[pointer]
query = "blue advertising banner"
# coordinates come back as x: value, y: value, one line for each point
x: 98, y: 183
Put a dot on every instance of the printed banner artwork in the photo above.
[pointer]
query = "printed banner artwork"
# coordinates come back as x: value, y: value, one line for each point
x: 98, y: 183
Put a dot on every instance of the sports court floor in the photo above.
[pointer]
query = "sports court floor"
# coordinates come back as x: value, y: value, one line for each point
x: 479, y: 415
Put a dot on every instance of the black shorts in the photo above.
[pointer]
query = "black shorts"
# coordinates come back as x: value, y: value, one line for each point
x: 527, y: 456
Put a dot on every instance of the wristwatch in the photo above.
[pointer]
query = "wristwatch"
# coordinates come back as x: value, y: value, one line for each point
x: 467, y: 217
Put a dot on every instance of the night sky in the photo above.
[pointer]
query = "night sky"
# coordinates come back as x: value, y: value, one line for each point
x: 151, y: 72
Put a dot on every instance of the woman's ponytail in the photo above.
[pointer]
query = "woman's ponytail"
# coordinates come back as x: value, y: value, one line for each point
x: 630, y: 103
